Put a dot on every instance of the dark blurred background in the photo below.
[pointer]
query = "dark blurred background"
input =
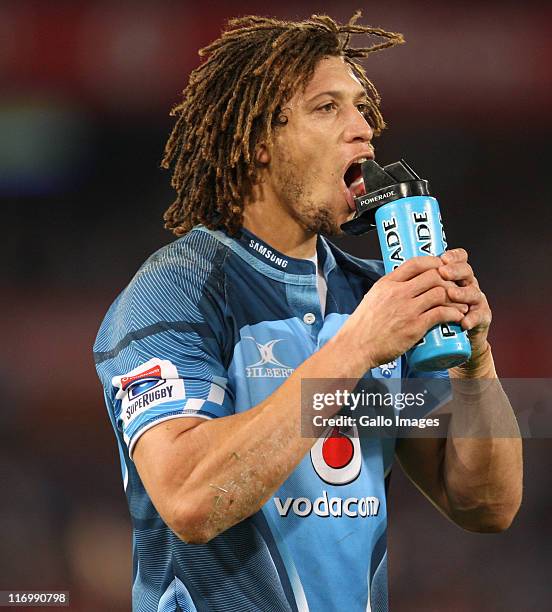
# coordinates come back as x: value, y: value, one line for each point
x: 86, y: 89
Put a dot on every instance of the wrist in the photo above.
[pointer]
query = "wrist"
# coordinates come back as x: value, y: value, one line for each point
x: 480, y: 365
x: 350, y: 353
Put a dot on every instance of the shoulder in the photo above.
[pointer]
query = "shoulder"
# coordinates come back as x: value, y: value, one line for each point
x: 182, y: 281
x: 181, y: 268
x: 194, y: 258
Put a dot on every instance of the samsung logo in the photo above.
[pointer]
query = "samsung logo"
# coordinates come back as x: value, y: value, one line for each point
x: 266, y: 252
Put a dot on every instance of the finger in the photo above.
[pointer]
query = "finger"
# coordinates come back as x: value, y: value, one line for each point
x: 413, y: 267
x: 468, y: 323
x: 454, y: 255
x: 461, y: 306
x: 475, y: 318
x: 437, y: 297
x: 461, y: 271
x: 441, y: 314
x: 426, y: 281
x: 467, y: 295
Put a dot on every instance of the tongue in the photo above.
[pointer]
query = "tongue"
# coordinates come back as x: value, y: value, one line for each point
x: 357, y: 188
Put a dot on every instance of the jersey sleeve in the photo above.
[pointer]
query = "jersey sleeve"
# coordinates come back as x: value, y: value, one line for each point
x: 160, y: 349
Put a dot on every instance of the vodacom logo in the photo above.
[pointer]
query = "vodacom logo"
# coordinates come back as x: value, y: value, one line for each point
x: 337, y: 460
x: 336, y: 457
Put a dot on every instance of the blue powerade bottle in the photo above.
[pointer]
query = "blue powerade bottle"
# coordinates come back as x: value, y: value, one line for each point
x: 409, y: 224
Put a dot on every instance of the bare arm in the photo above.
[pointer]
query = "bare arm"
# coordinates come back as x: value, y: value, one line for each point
x: 474, y: 476
x: 205, y: 476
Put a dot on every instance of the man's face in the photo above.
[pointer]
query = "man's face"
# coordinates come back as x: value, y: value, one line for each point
x: 315, y: 156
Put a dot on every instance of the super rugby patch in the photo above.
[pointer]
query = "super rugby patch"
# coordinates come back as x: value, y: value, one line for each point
x: 151, y: 384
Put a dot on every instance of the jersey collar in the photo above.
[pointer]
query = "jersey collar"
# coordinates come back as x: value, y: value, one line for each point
x: 271, y: 256
x: 271, y: 262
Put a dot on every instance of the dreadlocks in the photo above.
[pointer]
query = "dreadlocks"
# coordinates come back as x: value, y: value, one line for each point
x: 232, y: 103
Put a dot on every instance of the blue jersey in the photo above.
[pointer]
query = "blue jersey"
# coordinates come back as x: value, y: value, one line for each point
x: 210, y: 326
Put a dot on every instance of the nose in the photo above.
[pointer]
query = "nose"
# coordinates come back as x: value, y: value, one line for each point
x: 357, y: 129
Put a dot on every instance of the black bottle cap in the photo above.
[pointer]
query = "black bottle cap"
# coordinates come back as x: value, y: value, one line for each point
x: 383, y: 185
x: 374, y: 176
x: 401, y: 172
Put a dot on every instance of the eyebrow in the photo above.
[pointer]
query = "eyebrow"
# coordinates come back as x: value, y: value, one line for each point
x: 360, y: 95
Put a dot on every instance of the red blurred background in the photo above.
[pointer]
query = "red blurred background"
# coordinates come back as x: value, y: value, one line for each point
x: 86, y: 89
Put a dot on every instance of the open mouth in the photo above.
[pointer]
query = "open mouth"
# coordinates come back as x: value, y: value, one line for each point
x: 354, y: 182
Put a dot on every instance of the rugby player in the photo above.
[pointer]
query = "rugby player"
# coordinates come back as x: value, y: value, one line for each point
x: 203, y: 355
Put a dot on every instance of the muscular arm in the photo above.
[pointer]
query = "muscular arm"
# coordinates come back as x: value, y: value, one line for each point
x: 474, y: 476
x: 205, y: 476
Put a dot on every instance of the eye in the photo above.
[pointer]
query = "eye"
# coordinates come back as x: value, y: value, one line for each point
x: 363, y: 109
x: 328, y: 108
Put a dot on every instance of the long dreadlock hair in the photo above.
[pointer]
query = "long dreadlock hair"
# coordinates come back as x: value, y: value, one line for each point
x: 232, y: 104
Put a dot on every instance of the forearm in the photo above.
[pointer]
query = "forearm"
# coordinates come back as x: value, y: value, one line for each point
x: 482, y: 464
x: 205, y: 476
x: 252, y: 453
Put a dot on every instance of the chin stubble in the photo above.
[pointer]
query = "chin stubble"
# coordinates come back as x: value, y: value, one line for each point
x: 314, y: 217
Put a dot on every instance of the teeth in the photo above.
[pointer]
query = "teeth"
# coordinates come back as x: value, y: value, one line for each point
x: 357, y: 187
x: 361, y: 160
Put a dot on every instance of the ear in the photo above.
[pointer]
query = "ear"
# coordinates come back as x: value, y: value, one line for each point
x: 262, y: 156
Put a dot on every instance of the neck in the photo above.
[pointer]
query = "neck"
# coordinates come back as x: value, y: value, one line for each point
x: 275, y: 226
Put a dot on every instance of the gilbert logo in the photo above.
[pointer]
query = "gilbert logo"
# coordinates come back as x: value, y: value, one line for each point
x: 260, y: 368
